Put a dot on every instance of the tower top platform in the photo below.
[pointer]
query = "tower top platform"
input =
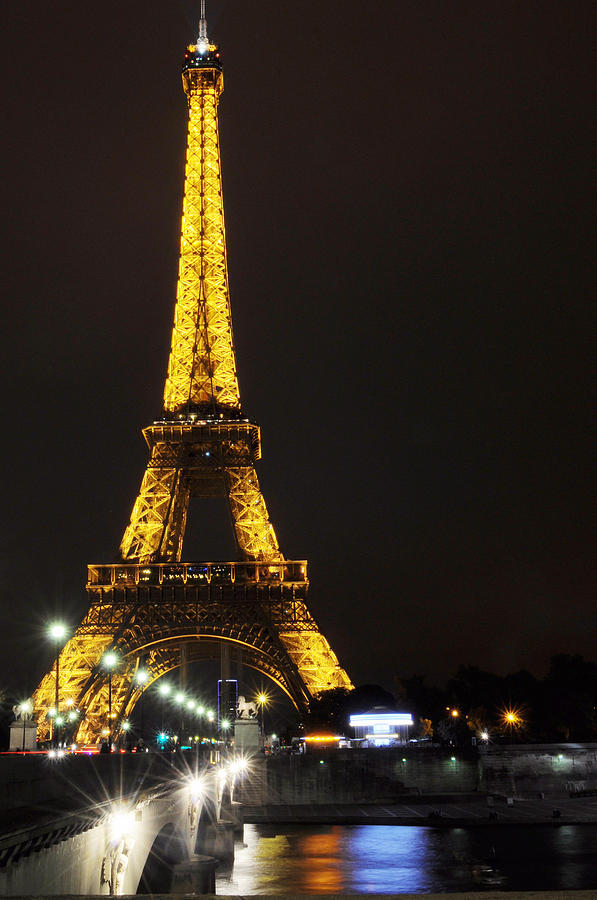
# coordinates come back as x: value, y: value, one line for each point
x: 209, y: 58
x: 203, y: 54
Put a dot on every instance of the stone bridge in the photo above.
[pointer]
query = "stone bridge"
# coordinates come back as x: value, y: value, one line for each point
x: 114, y: 824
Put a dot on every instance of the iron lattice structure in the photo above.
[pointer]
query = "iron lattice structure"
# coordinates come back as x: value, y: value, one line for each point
x: 151, y: 609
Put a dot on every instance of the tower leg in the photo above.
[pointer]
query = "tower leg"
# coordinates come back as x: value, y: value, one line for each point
x: 158, y: 518
x: 254, y: 532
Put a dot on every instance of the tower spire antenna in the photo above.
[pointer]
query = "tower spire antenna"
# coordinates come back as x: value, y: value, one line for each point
x: 202, y: 40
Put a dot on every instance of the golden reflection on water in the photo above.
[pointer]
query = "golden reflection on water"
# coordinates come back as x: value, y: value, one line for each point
x: 308, y: 863
x: 265, y: 853
x: 323, y: 851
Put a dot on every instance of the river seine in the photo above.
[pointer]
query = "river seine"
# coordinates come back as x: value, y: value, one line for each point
x: 378, y: 859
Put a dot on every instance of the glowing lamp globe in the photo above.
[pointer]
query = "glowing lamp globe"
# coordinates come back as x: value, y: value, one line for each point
x: 57, y: 631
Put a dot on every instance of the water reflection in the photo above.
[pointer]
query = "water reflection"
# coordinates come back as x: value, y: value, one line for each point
x: 382, y: 859
x: 322, y: 871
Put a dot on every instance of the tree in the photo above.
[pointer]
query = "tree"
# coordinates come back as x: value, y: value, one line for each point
x: 328, y: 710
x: 472, y: 688
x: 423, y: 700
x: 454, y: 731
x: 568, y: 698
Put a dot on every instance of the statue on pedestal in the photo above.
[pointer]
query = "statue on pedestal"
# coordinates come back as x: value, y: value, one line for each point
x: 245, y: 709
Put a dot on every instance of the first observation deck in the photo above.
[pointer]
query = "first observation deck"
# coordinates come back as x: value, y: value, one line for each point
x: 195, y: 574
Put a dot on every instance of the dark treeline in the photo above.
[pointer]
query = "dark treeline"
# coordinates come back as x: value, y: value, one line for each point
x: 477, y: 704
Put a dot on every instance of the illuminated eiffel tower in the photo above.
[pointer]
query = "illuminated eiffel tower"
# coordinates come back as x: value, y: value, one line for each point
x: 151, y: 610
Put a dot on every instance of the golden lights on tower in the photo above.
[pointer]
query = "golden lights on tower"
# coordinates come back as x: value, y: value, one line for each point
x: 200, y: 447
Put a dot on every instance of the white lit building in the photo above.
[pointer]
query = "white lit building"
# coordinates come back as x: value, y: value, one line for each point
x: 381, y: 727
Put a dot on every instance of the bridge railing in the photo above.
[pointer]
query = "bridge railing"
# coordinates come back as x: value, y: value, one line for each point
x: 197, y: 573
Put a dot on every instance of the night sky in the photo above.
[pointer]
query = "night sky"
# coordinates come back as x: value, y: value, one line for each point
x: 408, y: 208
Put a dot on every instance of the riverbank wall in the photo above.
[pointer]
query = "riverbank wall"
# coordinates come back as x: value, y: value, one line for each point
x: 526, y: 770
x: 387, y: 774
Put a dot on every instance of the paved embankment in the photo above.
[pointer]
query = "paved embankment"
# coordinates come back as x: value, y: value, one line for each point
x: 438, y: 811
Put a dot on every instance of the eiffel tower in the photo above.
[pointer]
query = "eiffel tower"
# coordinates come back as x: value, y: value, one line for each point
x: 153, y: 611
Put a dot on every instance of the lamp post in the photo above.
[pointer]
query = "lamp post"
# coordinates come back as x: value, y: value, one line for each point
x: 180, y: 700
x: 122, y: 737
x: 59, y: 722
x: 57, y: 632
x: 142, y: 678
x: 512, y: 719
x: 164, y: 690
x: 109, y: 661
x: 26, y: 709
x: 200, y: 710
x: 190, y: 706
x: 262, y: 702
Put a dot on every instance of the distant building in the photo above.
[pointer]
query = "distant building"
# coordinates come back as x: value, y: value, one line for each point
x: 227, y: 701
x: 381, y: 727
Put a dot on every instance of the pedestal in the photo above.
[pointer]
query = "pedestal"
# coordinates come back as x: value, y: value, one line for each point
x: 216, y: 839
x: 195, y: 876
x: 23, y: 736
x: 246, y: 736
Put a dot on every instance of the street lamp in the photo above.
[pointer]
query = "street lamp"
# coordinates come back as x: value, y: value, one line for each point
x: 262, y: 703
x: 26, y: 708
x: 142, y: 678
x: 512, y: 718
x: 164, y: 690
x: 57, y: 632
x: 109, y: 661
x: 190, y: 704
x: 180, y: 699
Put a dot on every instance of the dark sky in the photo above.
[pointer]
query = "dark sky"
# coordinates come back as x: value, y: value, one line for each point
x: 408, y: 200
